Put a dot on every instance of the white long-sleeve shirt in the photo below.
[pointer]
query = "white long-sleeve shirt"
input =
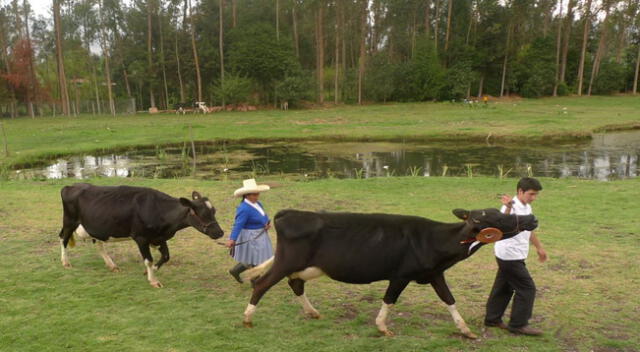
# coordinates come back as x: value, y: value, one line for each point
x: 516, y: 247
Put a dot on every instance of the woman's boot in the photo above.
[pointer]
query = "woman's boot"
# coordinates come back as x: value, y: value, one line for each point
x: 236, y: 270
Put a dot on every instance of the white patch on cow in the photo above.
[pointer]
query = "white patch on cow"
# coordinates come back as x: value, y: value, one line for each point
x: 310, y: 273
x: 64, y: 256
x: 248, y: 313
x: 381, y: 319
x: 151, y: 273
x: 307, y: 307
x: 82, y: 233
x: 105, y: 256
x: 457, y: 318
x: 208, y: 204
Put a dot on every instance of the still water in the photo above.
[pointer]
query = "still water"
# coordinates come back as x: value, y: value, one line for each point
x: 606, y: 156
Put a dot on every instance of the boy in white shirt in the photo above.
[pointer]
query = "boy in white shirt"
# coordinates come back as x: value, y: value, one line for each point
x: 513, y: 276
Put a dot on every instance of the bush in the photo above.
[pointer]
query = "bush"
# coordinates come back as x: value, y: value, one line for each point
x: 611, y: 78
x: 235, y: 90
x: 295, y: 88
x: 534, y: 69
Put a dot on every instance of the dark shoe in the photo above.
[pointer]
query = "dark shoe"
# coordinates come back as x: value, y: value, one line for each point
x: 500, y: 325
x: 236, y: 270
x: 526, y: 330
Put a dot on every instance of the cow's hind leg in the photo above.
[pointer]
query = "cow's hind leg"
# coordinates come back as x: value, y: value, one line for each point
x: 105, y: 256
x: 262, y: 285
x: 394, y: 290
x: 148, y: 263
x: 297, y: 285
x: 441, y: 288
x: 66, y: 236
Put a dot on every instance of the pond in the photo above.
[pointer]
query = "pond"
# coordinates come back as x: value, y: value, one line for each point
x: 604, y: 157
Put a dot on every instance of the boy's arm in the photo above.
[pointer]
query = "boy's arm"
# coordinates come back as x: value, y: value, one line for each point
x: 542, y: 254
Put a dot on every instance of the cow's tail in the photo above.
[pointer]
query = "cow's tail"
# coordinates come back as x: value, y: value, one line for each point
x: 257, y: 271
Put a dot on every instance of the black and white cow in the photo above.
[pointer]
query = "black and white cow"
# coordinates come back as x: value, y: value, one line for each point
x: 363, y: 248
x: 149, y: 217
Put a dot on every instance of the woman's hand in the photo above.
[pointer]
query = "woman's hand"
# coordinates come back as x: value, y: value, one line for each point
x: 230, y: 243
x: 267, y: 226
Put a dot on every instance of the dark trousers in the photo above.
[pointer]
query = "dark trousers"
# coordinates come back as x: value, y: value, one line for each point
x: 512, y: 277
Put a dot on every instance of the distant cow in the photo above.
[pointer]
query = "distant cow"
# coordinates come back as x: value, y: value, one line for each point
x: 363, y: 248
x: 148, y: 216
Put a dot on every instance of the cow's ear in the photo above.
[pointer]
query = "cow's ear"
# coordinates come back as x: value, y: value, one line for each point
x: 461, y: 213
x: 195, y: 195
x: 187, y: 203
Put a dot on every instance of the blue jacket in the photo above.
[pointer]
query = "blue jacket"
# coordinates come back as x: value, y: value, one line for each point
x: 247, y: 217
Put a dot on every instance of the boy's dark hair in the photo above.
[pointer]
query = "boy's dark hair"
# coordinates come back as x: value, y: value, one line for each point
x: 529, y: 183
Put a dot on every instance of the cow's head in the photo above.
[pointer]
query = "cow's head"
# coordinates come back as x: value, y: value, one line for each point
x: 490, y: 225
x: 202, y: 215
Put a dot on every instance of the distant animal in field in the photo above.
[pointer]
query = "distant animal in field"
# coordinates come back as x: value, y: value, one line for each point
x: 147, y: 216
x: 201, y: 106
x: 284, y: 105
x: 364, y: 248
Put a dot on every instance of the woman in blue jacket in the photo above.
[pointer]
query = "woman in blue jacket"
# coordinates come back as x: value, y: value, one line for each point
x: 249, y: 238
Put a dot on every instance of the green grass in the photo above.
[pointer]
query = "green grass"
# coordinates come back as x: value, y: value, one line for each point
x: 535, y: 120
x: 587, y: 292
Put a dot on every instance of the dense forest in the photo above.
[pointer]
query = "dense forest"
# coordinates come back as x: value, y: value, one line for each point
x: 112, y: 56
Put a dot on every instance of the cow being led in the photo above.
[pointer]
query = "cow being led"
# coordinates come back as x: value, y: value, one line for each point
x: 363, y: 248
x: 147, y: 216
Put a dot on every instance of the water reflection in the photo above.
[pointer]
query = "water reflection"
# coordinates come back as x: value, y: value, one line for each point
x: 606, y: 156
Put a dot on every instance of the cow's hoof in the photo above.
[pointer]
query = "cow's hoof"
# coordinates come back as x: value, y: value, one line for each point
x: 156, y: 284
x: 313, y: 315
x: 115, y: 269
x: 387, y: 333
x: 247, y: 324
x: 470, y: 335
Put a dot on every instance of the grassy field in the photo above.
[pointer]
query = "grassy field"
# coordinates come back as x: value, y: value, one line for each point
x: 587, y: 293
x: 535, y: 120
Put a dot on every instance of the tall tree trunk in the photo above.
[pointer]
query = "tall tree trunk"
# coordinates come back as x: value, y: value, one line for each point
x: 635, y: 76
x: 480, y: 86
x: 62, y: 80
x: 583, y: 52
x: 446, y: 38
x: 94, y: 76
x: 337, y: 54
x: 195, y: 52
x: 221, y: 44
x: 125, y: 74
x: 32, y: 91
x: 565, y: 41
x: 180, y: 83
x: 595, y: 68
x: 363, y: 34
x: 558, y: 51
x: 152, y: 99
x: 427, y: 20
x: 295, y: 30
x: 320, y: 51
x: 414, y: 29
x: 162, y: 61
x: 436, y: 16
x: 234, y: 13
x: 278, y: 20
x: 107, y: 65
x: 506, y: 60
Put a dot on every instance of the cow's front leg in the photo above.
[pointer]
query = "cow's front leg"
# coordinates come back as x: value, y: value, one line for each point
x: 164, y: 255
x: 394, y: 290
x: 148, y: 263
x: 105, y: 256
x: 441, y: 288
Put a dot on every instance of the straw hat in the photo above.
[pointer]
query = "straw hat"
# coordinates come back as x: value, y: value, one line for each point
x: 250, y: 186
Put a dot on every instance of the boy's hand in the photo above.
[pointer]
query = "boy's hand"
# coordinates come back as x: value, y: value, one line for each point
x: 506, y: 200
x: 542, y: 255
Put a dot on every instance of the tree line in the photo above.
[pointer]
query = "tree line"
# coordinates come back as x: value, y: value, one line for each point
x: 158, y: 53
